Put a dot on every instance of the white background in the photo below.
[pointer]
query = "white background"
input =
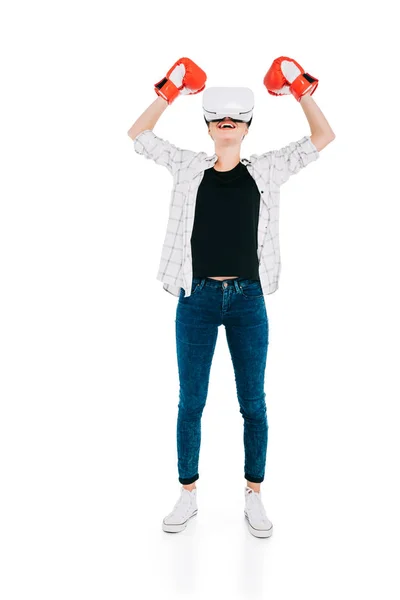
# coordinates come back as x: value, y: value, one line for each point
x: 89, y: 379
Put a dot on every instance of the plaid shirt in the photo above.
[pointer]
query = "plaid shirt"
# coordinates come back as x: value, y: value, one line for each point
x: 269, y: 170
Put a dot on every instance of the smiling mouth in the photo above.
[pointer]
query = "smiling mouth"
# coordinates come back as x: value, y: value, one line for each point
x: 226, y: 126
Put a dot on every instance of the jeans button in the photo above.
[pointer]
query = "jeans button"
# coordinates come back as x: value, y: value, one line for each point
x: 225, y: 283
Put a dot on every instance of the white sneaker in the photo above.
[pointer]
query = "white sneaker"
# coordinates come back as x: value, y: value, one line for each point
x: 185, y: 508
x: 258, y: 523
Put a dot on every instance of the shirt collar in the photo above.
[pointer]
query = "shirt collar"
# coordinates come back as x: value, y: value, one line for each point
x: 213, y: 159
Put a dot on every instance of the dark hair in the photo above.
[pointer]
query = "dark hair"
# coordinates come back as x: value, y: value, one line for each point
x: 248, y: 123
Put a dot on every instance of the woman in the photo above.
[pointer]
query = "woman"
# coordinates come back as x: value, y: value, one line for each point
x: 228, y: 248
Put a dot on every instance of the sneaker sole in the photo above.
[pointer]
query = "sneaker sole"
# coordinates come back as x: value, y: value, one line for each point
x: 175, y: 528
x: 262, y: 533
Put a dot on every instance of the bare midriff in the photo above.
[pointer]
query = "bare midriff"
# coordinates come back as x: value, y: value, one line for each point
x: 222, y: 278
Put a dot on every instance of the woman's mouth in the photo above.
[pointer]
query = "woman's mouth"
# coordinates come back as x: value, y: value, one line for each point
x: 226, y: 125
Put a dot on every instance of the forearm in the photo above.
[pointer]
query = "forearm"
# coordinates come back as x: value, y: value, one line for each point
x: 315, y: 117
x: 149, y: 118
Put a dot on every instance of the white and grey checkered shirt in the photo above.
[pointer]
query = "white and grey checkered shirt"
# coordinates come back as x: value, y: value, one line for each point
x: 269, y: 170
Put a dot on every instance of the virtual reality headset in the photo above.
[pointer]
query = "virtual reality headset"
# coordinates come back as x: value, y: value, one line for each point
x: 234, y: 102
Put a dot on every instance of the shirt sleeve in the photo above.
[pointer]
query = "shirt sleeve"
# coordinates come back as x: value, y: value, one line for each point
x: 290, y: 159
x: 162, y: 152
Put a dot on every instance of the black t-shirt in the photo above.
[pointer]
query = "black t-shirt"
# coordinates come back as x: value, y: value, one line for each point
x: 224, y: 237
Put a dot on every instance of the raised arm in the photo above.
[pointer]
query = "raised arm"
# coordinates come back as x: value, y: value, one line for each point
x: 154, y: 147
x: 321, y: 132
x: 295, y: 156
x: 149, y: 117
x: 287, y: 76
x: 184, y: 78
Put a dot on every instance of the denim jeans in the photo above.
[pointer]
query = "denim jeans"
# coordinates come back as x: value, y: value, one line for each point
x: 239, y: 305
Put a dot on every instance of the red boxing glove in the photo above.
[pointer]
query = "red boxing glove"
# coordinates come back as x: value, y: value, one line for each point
x: 184, y: 77
x: 286, y: 76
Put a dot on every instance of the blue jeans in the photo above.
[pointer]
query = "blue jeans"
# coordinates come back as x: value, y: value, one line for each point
x: 239, y: 305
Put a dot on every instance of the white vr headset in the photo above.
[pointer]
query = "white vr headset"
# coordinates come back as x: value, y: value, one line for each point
x: 234, y: 102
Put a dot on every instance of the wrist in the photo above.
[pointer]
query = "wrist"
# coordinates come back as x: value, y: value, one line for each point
x: 161, y: 100
x: 305, y: 97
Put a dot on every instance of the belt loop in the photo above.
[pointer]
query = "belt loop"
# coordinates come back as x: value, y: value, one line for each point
x: 236, y: 285
x: 202, y: 282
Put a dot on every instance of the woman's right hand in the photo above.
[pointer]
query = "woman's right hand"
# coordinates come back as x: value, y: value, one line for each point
x: 184, y: 77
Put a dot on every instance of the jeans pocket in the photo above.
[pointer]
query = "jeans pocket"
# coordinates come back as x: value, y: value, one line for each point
x: 194, y: 289
x: 251, y: 290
